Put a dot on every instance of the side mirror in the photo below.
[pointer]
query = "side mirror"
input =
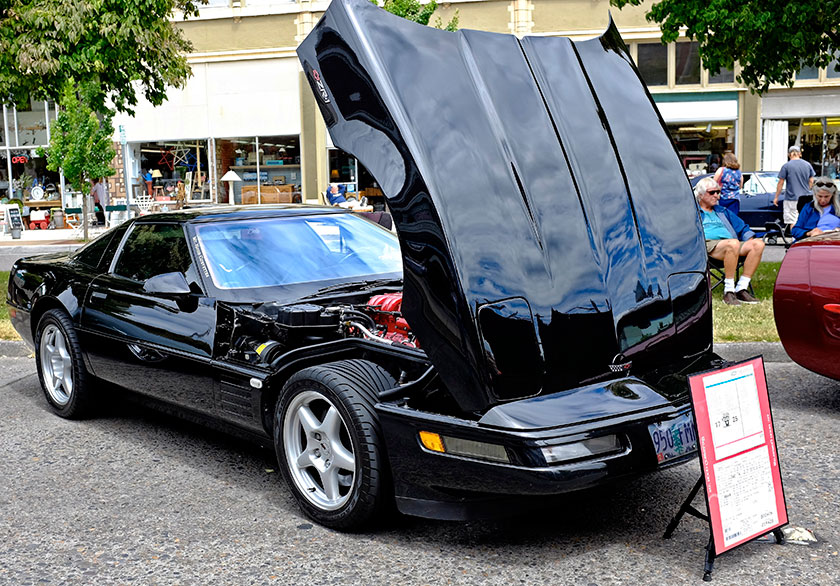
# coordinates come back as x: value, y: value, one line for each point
x: 167, y: 285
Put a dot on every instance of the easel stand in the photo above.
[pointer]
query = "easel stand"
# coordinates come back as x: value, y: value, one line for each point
x: 687, y: 507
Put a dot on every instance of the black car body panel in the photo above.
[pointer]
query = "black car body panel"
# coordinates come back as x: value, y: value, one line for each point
x: 537, y: 197
x: 555, y: 289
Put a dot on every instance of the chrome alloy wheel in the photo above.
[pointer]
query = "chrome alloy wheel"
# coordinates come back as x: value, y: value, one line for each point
x: 318, y: 450
x: 56, y: 365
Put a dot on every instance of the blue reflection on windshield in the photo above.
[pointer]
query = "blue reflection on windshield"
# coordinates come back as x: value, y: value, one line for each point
x: 284, y: 251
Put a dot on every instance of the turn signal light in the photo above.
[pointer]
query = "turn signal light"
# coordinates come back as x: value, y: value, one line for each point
x: 463, y: 447
x: 432, y: 441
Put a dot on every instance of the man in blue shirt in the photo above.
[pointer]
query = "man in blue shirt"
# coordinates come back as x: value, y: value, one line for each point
x: 335, y: 194
x: 727, y: 239
x: 799, y: 177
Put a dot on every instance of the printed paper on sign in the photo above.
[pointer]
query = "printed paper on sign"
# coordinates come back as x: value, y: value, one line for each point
x: 734, y: 411
x: 746, y: 495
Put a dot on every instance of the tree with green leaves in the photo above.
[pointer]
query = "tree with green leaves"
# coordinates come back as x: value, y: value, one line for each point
x: 80, y: 141
x: 770, y: 40
x: 113, y: 47
x: 417, y: 12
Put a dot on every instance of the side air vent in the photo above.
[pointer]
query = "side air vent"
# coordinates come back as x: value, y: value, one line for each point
x: 235, y: 400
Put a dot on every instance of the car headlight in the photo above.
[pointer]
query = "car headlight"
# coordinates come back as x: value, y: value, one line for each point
x: 588, y: 448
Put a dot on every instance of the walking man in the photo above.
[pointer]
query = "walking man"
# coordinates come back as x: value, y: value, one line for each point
x: 797, y: 177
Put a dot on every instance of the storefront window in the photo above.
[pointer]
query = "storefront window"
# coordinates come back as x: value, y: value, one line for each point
x: 701, y: 144
x: 653, y: 63
x: 32, y: 182
x: 810, y: 137
x: 687, y: 64
x: 178, y: 169
x: 23, y: 174
x: 31, y: 124
x: 724, y: 76
x: 268, y: 169
x: 343, y: 169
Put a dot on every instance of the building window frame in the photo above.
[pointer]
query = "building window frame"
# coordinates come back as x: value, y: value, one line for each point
x: 704, y: 82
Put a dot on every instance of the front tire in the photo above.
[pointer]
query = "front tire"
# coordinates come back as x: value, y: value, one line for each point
x: 329, y: 442
x: 61, y: 370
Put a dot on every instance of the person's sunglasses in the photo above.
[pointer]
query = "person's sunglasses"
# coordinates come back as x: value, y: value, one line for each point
x: 713, y: 191
x: 821, y: 184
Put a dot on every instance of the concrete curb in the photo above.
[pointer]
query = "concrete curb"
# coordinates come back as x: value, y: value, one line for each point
x: 734, y: 351
x: 14, y: 348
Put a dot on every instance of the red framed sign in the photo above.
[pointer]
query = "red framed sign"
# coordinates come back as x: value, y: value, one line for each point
x: 738, y: 454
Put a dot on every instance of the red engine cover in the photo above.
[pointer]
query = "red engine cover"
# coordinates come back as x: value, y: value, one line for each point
x: 396, y: 328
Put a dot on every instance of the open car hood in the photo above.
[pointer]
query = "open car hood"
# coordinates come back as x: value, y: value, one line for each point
x: 547, y: 227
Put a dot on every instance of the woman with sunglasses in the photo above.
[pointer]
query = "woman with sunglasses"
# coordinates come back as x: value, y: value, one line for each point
x: 820, y: 215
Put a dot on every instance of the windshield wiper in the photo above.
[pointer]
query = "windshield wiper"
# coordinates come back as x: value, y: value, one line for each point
x: 355, y: 286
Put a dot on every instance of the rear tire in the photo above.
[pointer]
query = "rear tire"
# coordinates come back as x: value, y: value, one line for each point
x: 329, y: 442
x: 61, y: 369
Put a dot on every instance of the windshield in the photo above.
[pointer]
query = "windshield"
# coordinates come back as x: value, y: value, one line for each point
x: 298, y: 249
x: 768, y: 181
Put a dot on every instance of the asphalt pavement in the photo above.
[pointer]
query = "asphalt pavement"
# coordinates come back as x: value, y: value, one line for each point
x: 133, y: 496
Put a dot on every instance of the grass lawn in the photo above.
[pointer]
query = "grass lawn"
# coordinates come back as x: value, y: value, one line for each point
x: 748, y: 323
x: 7, y: 332
x: 744, y: 323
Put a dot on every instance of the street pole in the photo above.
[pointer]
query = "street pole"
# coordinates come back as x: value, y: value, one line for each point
x: 126, y: 179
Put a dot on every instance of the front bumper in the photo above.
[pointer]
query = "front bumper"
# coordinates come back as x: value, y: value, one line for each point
x: 446, y: 486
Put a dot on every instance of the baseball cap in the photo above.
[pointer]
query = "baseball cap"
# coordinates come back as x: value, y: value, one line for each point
x: 793, y: 149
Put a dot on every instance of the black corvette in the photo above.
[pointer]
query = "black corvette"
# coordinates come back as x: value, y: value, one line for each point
x: 528, y: 332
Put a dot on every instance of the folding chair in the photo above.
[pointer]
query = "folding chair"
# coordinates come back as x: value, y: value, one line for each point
x: 143, y: 203
x: 118, y: 211
x: 774, y: 231
x: 73, y: 218
x: 716, y: 273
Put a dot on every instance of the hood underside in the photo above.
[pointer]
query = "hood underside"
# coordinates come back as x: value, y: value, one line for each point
x: 546, y: 223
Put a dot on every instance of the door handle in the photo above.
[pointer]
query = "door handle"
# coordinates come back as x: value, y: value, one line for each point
x: 98, y: 295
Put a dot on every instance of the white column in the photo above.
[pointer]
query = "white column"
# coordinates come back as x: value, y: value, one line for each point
x: 521, y: 17
x: 774, y: 144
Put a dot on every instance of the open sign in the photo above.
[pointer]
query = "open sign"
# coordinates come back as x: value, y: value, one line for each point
x: 20, y: 159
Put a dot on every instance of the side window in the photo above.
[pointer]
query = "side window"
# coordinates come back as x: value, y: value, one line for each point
x: 111, y: 250
x: 752, y: 185
x: 91, y: 253
x: 154, y: 249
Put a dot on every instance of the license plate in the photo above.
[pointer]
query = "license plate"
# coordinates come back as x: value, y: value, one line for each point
x: 673, y: 438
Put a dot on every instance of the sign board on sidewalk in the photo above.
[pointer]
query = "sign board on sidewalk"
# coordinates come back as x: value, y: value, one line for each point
x: 738, y: 453
x: 14, y: 221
